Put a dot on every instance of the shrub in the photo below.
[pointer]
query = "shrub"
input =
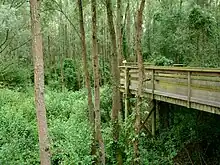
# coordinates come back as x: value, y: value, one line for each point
x: 70, y: 134
x: 162, y: 61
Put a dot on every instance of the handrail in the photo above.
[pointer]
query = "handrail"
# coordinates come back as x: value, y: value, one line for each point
x: 183, y: 69
x: 196, y: 88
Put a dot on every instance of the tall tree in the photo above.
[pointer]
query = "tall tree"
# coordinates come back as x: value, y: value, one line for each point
x: 128, y: 29
x: 85, y: 64
x: 119, y: 31
x: 116, y: 106
x: 37, y: 51
x: 85, y: 67
x: 96, y: 84
x: 139, y: 30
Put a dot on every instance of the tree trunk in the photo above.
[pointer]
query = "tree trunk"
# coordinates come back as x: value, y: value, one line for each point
x: 149, y: 29
x: 116, y: 106
x: 119, y: 32
x: 37, y: 51
x: 86, y: 72
x: 85, y: 65
x: 96, y: 84
x: 128, y: 34
x: 49, y: 61
x: 139, y: 22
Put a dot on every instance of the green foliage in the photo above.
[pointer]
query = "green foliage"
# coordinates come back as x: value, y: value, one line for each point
x: 70, y: 134
x: 69, y: 128
x: 105, y: 104
x: 162, y: 61
x: 54, y: 81
x: 14, y: 75
x: 191, y: 134
x: 18, y: 133
x: 200, y: 19
x: 186, y: 34
x: 70, y: 74
x: 9, y: 17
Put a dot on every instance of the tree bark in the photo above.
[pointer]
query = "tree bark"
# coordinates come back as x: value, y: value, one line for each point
x: 139, y: 30
x: 61, y: 52
x: 85, y: 65
x: 96, y: 84
x: 128, y: 34
x: 86, y: 72
x: 37, y: 51
x: 116, y: 106
x: 119, y: 32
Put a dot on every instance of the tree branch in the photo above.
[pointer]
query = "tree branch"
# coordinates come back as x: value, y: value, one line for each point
x: 19, y: 4
x: 11, y: 39
x: 19, y: 46
x: 6, y: 38
x: 65, y: 15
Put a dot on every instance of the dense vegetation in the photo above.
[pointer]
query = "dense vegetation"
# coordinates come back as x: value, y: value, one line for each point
x: 193, y: 136
x: 174, y: 31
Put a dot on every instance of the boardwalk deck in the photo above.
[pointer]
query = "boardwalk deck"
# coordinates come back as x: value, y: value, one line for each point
x: 195, y: 88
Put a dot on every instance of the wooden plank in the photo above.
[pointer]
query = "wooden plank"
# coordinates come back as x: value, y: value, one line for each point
x: 184, y: 69
x: 197, y: 88
x: 193, y: 76
x: 177, y: 89
x: 195, y: 83
x: 206, y: 95
x: 206, y: 102
x: 171, y: 88
x: 206, y: 74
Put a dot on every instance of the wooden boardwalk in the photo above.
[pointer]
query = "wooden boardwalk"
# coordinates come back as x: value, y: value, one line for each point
x: 195, y: 88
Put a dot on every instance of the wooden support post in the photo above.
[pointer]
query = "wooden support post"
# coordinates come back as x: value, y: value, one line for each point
x: 127, y: 102
x: 154, y: 118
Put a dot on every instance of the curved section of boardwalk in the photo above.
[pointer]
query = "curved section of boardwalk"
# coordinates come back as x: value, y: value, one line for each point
x: 190, y: 87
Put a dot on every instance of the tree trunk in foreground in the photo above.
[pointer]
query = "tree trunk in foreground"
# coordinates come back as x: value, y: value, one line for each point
x: 116, y: 106
x: 37, y: 52
x: 96, y: 84
x: 139, y: 22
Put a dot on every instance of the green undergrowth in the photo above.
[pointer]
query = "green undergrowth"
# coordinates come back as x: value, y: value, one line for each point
x: 70, y: 134
x: 192, y: 137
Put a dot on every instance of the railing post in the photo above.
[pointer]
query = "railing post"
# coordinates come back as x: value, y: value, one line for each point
x: 153, y: 85
x: 189, y: 90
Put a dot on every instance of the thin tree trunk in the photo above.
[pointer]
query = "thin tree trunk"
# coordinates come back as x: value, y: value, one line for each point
x: 86, y: 72
x: 50, y: 61
x: 61, y: 52
x: 119, y: 31
x: 66, y: 42
x: 128, y: 34
x: 96, y: 84
x: 116, y: 106
x: 139, y: 30
x: 37, y: 51
x: 149, y: 28
x: 49, y: 52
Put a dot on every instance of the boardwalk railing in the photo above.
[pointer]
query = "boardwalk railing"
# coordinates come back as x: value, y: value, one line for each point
x: 190, y: 87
